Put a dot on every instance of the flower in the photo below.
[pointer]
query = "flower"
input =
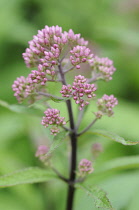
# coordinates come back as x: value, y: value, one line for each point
x: 85, y: 167
x: 97, y: 149
x: 48, y: 44
x: 21, y: 88
x: 102, y: 67
x: 105, y: 105
x: 52, y: 118
x: 79, y: 90
x: 80, y: 54
x: 41, y: 152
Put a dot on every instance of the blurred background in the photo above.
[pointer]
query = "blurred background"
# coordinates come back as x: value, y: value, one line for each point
x: 112, y: 30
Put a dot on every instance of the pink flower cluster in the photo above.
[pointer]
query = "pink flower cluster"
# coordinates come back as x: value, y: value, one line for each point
x: 37, y: 77
x: 85, y: 167
x: 45, y: 51
x: 97, y: 148
x: 52, y: 117
x: 48, y: 44
x: 21, y: 88
x: 41, y: 152
x: 103, y: 67
x: 25, y: 87
x: 105, y: 105
x: 79, y: 90
x: 80, y: 54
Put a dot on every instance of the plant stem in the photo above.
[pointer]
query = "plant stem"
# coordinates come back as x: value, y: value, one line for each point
x: 72, y: 177
x: 73, y: 140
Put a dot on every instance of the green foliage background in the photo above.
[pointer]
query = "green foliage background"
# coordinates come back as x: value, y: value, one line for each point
x: 112, y: 29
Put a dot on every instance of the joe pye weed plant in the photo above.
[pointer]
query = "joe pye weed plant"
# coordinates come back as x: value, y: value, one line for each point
x: 54, y: 54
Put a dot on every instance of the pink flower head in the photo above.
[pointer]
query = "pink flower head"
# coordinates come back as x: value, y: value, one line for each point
x: 97, y: 149
x: 37, y: 77
x: 41, y: 152
x: 103, y: 67
x: 52, y: 118
x: 85, y: 167
x: 20, y: 87
x: 48, y: 44
x: 105, y: 105
x: 75, y: 38
x: 66, y: 91
x: 80, y: 54
x: 81, y: 91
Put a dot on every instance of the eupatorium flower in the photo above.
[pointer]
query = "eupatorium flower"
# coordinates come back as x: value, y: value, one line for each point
x: 21, y: 88
x: 52, y: 117
x: 41, y: 152
x: 81, y: 91
x: 102, y: 68
x: 48, y: 44
x: 105, y: 105
x: 80, y: 54
x: 54, y: 53
x: 85, y: 167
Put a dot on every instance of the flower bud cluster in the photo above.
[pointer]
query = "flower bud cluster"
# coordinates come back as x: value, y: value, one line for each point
x: 25, y: 87
x: 45, y: 51
x: 97, y: 149
x: 80, y: 54
x: 105, y: 105
x: 52, y: 118
x: 85, y: 167
x: 48, y: 44
x: 37, y: 77
x: 41, y: 152
x: 79, y: 90
x: 103, y: 67
x: 75, y: 38
x: 21, y: 88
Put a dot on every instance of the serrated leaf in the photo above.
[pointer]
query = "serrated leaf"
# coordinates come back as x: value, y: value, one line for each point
x: 99, y: 196
x: 21, y: 108
x: 26, y: 176
x: 113, y: 137
x: 121, y: 163
x: 57, y: 141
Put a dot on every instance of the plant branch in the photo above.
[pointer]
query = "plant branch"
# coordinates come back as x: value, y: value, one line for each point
x: 87, y: 128
x: 69, y: 69
x: 80, y: 116
x: 59, y: 175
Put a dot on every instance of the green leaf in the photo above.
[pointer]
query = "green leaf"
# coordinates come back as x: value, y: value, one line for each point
x: 57, y: 141
x: 25, y: 176
x: 21, y: 108
x: 113, y: 137
x: 121, y: 163
x: 57, y: 100
x: 99, y: 196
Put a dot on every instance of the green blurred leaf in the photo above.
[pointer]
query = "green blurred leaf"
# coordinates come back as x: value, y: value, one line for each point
x: 21, y: 108
x: 58, y: 140
x: 119, y: 164
x: 28, y: 175
x: 99, y: 196
x: 113, y: 137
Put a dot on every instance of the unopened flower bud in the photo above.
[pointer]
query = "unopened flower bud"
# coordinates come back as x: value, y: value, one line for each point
x: 41, y: 152
x: 85, y: 167
x: 97, y: 149
x: 105, y: 105
x: 52, y: 118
